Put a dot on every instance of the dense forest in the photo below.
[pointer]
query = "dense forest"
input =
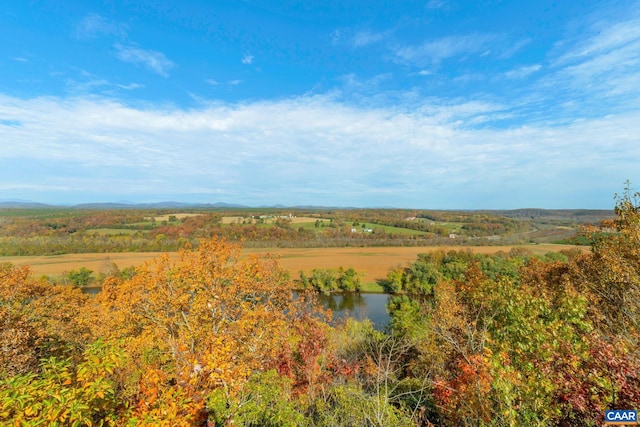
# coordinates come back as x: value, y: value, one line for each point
x: 210, y: 338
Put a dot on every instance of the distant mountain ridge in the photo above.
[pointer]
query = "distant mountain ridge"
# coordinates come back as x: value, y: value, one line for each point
x: 578, y: 215
x: 23, y: 204
x: 26, y: 204
x: 156, y: 205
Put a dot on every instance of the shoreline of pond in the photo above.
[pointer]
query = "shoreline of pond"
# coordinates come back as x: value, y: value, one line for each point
x: 356, y: 305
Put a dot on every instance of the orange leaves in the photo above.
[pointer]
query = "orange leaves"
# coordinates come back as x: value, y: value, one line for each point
x: 206, y: 319
x: 442, y: 391
x: 476, y: 370
x: 467, y: 393
x: 179, y: 330
x: 161, y: 404
x: 14, y: 281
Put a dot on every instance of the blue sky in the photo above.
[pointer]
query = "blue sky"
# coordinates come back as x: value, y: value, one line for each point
x: 437, y: 104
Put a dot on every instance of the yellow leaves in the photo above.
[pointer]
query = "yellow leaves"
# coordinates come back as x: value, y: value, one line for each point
x: 178, y: 329
x: 54, y: 397
x: 487, y: 353
x: 369, y: 367
x: 35, y: 314
x: 165, y: 405
x: 176, y: 304
x: 14, y: 281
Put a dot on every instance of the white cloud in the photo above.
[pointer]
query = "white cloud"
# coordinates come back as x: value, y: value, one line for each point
x: 353, y: 82
x: 304, y: 150
x: 434, y: 51
x: 130, y: 86
x: 212, y: 82
x: 602, y: 64
x: 513, y: 48
x: 469, y: 77
x: 337, y: 36
x: 365, y: 38
x: 606, y: 37
x: 247, y: 59
x: 234, y: 82
x: 86, y: 82
x: 88, y: 85
x: 522, y: 72
x: 150, y: 59
x: 94, y: 25
x: 437, y: 4
x: 357, y: 39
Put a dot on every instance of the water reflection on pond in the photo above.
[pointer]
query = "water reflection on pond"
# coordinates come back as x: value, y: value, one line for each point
x: 359, y: 306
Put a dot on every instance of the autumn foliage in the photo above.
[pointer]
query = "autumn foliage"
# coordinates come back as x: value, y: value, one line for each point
x: 209, y: 337
x: 182, y: 328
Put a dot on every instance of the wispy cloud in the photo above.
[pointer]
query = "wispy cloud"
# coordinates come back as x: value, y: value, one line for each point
x: 19, y: 59
x: 365, y: 38
x: 86, y: 85
x: 215, y: 83
x: 513, y: 48
x: 153, y: 60
x: 337, y: 36
x: 606, y: 37
x: 425, y: 72
x: 602, y: 66
x: 357, y: 39
x: 522, y: 72
x: 83, y: 82
x: 247, y: 59
x: 94, y: 25
x: 434, y: 51
x: 130, y: 86
x: 438, y: 4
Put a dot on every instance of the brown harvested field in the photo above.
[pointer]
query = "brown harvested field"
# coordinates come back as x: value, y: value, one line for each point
x: 58, y: 264
x: 303, y: 219
x: 177, y: 215
x: 294, y: 219
x: 374, y: 263
x: 231, y: 219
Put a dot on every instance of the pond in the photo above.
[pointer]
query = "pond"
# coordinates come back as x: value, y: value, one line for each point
x: 359, y: 306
